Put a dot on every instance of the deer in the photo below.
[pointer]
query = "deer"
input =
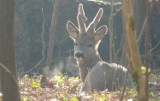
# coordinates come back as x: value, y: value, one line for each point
x: 95, y: 73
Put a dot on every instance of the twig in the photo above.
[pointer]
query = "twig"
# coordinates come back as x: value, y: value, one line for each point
x: 142, y: 29
x: 155, y: 46
x: 2, y: 66
x: 43, y: 46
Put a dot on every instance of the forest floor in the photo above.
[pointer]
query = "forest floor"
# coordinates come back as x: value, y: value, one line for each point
x: 63, y: 88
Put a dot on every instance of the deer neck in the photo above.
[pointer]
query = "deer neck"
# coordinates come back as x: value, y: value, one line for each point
x: 86, y: 65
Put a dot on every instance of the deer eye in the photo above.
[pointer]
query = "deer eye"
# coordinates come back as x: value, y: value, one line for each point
x: 89, y: 45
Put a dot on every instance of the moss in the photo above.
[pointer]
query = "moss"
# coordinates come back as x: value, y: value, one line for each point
x: 132, y: 23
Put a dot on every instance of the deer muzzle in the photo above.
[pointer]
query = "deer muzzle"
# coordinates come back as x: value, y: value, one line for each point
x: 79, y: 55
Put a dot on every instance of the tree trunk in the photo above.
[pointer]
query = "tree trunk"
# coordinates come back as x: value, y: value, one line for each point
x: 9, y: 84
x: 51, y: 41
x: 129, y: 24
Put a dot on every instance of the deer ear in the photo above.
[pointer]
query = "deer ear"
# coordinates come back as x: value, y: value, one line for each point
x: 100, y: 32
x: 72, y: 30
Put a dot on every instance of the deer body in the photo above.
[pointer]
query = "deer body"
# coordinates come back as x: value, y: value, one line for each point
x: 95, y: 73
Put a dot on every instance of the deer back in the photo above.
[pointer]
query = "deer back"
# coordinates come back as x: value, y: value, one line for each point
x: 95, y: 73
x: 107, y: 76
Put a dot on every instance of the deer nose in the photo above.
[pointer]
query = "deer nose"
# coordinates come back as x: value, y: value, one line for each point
x: 78, y: 55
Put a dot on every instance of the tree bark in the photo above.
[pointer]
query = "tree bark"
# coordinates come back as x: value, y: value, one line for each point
x: 9, y: 85
x: 51, y: 41
x: 129, y: 24
x: 147, y: 46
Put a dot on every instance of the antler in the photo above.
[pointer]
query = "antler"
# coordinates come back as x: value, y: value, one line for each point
x: 95, y: 21
x: 81, y: 19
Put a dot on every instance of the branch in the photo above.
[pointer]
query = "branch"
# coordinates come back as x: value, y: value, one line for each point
x: 155, y: 46
x: 51, y: 40
x: 142, y: 30
x: 43, y: 46
x: 9, y: 72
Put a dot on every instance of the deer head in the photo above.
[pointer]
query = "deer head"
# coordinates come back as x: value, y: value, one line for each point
x: 86, y: 38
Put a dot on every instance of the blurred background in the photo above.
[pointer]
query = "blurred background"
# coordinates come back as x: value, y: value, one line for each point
x: 32, y: 26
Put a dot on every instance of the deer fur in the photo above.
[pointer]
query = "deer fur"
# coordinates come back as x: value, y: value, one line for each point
x: 95, y: 73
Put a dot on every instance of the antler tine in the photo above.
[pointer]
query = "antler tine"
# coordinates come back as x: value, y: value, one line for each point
x: 81, y: 11
x: 96, y: 19
x: 81, y: 19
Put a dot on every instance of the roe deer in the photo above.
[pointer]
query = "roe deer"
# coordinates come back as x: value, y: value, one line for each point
x: 94, y: 72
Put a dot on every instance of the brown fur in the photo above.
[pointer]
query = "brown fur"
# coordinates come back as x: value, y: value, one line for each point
x: 95, y: 73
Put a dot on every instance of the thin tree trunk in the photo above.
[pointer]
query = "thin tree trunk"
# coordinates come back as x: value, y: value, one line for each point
x: 51, y: 40
x: 147, y: 37
x: 129, y: 23
x: 147, y: 47
x: 111, y: 39
x: 9, y: 84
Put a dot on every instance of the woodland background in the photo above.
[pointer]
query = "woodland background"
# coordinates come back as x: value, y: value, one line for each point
x: 31, y: 20
x: 32, y: 24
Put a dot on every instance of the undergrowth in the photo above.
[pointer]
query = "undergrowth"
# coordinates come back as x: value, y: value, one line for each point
x: 63, y: 88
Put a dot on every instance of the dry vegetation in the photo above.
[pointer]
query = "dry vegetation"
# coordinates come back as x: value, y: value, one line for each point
x: 63, y: 88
